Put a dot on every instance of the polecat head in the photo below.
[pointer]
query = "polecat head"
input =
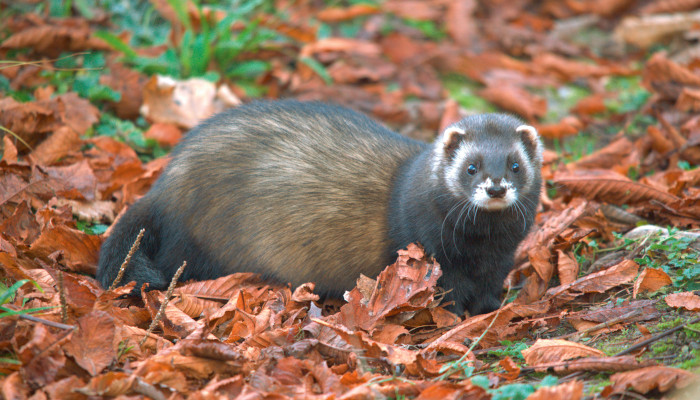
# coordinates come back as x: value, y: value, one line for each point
x: 490, y: 159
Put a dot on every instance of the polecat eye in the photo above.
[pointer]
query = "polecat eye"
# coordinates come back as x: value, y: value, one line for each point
x: 471, y: 169
x: 515, y: 167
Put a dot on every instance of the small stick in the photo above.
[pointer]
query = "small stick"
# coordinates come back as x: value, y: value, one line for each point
x: 46, y: 322
x: 62, y: 297
x: 577, y: 335
x: 656, y: 337
x: 122, y: 268
x: 165, y: 302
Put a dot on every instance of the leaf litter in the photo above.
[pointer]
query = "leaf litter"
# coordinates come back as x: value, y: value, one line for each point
x: 580, y: 287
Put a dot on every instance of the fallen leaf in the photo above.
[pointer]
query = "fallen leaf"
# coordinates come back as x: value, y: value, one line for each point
x: 647, y: 379
x: 57, y: 145
x: 567, y: 268
x: 687, y: 300
x: 337, y: 14
x: 650, y: 280
x: 597, y: 282
x: 92, y: 344
x: 572, y: 390
x: 611, y: 187
x: 80, y: 250
x: 183, y: 103
x: 55, y: 36
x: 407, y: 285
x: 557, y: 350
x: 167, y: 135
x: 516, y: 100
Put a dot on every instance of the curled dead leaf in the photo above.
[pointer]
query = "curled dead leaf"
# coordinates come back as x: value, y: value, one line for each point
x: 572, y: 390
x: 658, y: 377
x: 546, y: 351
x: 611, y: 187
x: 650, y: 280
x: 687, y: 300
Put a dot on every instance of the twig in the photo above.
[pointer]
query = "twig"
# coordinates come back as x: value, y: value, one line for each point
x: 122, y: 268
x: 62, y: 297
x: 656, y: 337
x: 16, y: 136
x: 46, y: 322
x: 606, y: 324
x: 161, y: 311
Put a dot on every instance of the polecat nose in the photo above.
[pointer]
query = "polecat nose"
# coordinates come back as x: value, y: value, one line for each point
x: 496, y: 191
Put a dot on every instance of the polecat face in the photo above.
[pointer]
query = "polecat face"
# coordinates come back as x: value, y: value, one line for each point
x: 488, y: 162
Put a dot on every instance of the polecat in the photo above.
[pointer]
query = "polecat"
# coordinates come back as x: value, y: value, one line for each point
x: 311, y: 192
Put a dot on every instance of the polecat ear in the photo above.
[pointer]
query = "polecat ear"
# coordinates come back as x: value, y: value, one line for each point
x: 451, y: 138
x: 532, y: 141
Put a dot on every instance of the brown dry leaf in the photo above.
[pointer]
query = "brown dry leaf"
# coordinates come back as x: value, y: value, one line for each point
x: 516, y: 100
x: 572, y: 390
x: 197, y: 367
x: 14, y: 387
x: 657, y: 377
x: 22, y: 225
x: 164, y: 375
x: 183, y: 103
x: 568, y: 126
x: 568, y: 70
x: 666, y: 77
x: 611, y: 187
x: 59, y: 35
x: 639, y: 310
x: 42, y: 361
x: 304, y: 293
x: 78, y: 177
x: 337, y: 14
x: 406, y: 285
x: 650, y: 280
x: 687, y: 300
x: 595, y: 364
x: 80, y: 250
x: 448, y: 391
x: 9, y: 150
x: 460, y: 21
x: 59, y: 144
x: 110, y: 384
x: 473, y: 327
x: 689, y: 100
x: 360, y: 340
x: 81, y: 291
x: 648, y: 30
x: 167, y: 135
x: 512, y: 369
x: 597, y: 282
x: 590, y: 105
x: 567, y: 267
x: 546, y: 351
x: 30, y: 121
x: 74, y: 111
x: 540, y: 261
x: 414, y: 9
x: 92, y: 345
x: 91, y: 211
x: 63, y: 389
x: 667, y: 7
x: 608, y: 157
x: 220, y: 288
x: 129, y: 83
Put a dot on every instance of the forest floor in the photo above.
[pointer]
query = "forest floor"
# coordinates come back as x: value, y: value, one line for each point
x: 603, y: 299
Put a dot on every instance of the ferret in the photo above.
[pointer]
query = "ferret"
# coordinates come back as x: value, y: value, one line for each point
x: 312, y: 192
